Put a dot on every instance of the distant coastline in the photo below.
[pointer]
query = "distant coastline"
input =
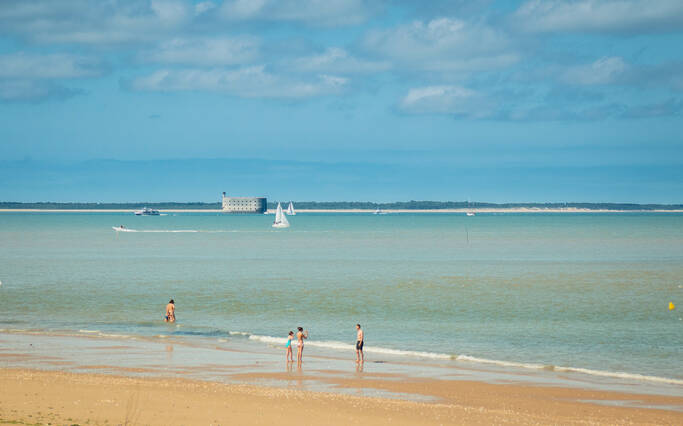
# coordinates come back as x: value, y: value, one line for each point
x: 353, y: 207
x: 364, y: 211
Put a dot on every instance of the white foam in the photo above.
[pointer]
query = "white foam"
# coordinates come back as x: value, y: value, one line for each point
x: 620, y: 375
x: 116, y: 336
x: 588, y: 371
x: 88, y: 331
x: 500, y: 363
x: 264, y: 339
x: 331, y: 344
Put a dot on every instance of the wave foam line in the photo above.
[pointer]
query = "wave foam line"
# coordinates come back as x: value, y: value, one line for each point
x: 560, y: 369
x: 331, y: 344
x: 442, y: 356
x: 621, y: 375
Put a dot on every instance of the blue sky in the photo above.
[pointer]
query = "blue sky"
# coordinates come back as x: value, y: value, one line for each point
x: 341, y: 100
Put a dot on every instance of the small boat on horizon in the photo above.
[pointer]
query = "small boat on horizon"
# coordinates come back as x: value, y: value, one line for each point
x: 290, y: 209
x: 147, y: 212
x: 379, y: 211
x: 470, y: 213
x: 280, y: 218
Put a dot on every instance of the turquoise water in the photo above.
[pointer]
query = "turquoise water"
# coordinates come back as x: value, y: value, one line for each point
x: 579, y: 291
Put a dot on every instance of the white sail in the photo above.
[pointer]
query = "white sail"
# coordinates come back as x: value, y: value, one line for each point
x: 290, y: 209
x: 280, y: 218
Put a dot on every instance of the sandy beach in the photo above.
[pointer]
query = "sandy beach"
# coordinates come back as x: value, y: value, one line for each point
x: 41, y: 397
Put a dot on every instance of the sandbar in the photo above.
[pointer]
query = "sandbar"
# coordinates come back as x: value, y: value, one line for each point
x: 363, y: 211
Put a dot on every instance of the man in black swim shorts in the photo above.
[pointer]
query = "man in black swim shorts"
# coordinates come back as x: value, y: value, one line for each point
x: 359, y: 345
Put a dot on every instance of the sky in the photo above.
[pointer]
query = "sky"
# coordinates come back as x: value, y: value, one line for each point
x: 499, y: 101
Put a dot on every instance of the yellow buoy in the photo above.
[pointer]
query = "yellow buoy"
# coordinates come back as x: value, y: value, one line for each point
x: 672, y: 306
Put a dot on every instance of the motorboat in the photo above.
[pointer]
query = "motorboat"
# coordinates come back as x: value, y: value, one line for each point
x: 147, y: 212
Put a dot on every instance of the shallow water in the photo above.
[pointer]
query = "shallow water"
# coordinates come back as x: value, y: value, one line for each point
x: 551, y: 291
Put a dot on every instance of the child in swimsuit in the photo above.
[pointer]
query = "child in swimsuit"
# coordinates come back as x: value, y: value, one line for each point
x: 288, y: 346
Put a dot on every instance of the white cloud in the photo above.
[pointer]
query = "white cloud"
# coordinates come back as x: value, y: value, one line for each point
x: 313, y: 12
x: 667, y: 108
x: 451, y: 100
x: 86, y: 22
x: 203, y: 7
x: 32, y: 77
x: 335, y: 59
x: 52, y: 66
x: 22, y: 90
x: 250, y: 82
x: 443, y: 44
x: 599, y: 16
x: 204, y: 51
x: 607, y: 70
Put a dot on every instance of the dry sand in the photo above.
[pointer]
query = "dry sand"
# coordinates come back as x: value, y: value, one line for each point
x: 41, y: 397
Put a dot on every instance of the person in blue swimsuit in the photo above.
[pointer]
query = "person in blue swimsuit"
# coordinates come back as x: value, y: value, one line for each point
x: 288, y: 355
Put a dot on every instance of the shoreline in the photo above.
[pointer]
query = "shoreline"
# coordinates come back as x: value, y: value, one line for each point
x: 364, y: 211
x: 36, y: 396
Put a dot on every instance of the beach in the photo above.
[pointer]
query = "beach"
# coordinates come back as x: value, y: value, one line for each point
x: 39, y: 397
x: 86, y: 378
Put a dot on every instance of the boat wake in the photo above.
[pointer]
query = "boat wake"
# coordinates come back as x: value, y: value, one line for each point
x: 219, y: 231
x: 120, y: 229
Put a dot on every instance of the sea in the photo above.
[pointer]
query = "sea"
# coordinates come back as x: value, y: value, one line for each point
x: 579, y: 295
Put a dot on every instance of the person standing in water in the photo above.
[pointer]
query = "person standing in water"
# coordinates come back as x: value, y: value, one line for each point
x: 359, y: 345
x: 288, y: 355
x: 170, y: 311
x: 300, y: 336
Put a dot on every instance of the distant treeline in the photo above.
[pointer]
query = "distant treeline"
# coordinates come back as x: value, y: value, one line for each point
x: 343, y: 205
x: 439, y: 205
x: 110, y: 206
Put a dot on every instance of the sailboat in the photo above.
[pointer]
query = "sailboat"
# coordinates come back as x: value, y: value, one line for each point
x: 290, y: 209
x: 470, y: 212
x: 280, y: 218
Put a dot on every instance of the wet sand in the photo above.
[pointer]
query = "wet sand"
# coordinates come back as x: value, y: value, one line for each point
x: 41, y: 397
